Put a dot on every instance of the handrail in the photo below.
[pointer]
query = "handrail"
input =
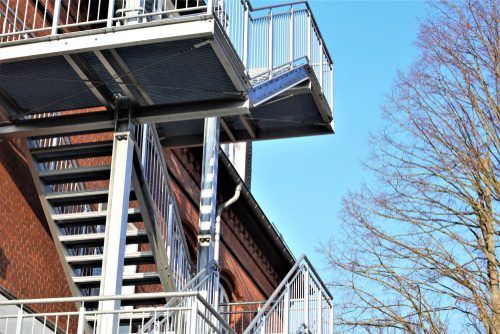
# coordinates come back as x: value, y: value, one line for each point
x: 155, y: 172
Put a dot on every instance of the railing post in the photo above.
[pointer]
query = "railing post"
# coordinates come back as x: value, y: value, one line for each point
x: 309, y: 39
x: 210, y: 6
x: 286, y: 308
x: 331, y: 86
x: 319, y: 315
x: 144, y: 148
x: 320, y: 50
x: 193, y: 326
x: 263, y: 326
x: 55, y: 17
x: 81, y: 320
x: 330, y: 322
x: 111, y: 14
x: 19, y: 321
x: 270, y: 40
x: 292, y: 28
x: 306, y: 297
x: 245, y: 36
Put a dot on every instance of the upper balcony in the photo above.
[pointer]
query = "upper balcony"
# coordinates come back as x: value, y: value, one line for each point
x: 265, y: 71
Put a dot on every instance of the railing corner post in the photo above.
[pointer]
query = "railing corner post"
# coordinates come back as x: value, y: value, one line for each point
x: 319, y: 310
x: 111, y: 14
x: 81, y: 320
x: 245, y: 36
x: 193, y: 326
x: 19, y: 321
x: 309, y: 39
x: 55, y: 17
x: 210, y: 6
x: 306, y: 298
x: 286, y: 308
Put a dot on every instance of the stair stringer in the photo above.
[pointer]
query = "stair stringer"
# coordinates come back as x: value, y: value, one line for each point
x: 68, y: 271
x: 266, y: 90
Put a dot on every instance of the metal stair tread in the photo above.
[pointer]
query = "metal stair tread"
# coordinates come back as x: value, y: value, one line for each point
x: 73, y: 151
x: 81, y: 197
x: 126, y: 277
x: 98, y: 238
x: 87, y: 216
x: 78, y: 174
x: 97, y: 258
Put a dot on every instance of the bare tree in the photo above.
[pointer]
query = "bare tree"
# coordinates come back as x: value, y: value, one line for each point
x: 423, y: 236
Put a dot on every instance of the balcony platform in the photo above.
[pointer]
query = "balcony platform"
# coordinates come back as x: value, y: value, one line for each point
x: 152, y: 65
x: 187, y: 61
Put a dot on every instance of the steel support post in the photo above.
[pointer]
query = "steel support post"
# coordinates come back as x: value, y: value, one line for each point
x: 116, y: 228
x: 208, y: 192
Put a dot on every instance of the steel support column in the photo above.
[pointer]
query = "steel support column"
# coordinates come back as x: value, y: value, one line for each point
x: 116, y: 228
x: 208, y: 192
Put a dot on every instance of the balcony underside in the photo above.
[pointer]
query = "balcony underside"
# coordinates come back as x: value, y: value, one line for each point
x: 298, y: 111
x: 182, y: 61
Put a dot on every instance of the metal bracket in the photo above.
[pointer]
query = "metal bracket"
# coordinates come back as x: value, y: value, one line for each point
x: 204, y: 240
x: 123, y: 113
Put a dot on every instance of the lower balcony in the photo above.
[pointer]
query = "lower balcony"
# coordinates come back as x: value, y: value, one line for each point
x: 300, y: 304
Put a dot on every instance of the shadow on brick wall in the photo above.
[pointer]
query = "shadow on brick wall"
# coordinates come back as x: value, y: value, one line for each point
x: 12, y: 160
x: 4, y: 264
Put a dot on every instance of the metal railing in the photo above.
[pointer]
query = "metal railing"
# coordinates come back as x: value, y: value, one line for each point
x: 192, y: 315
x: 274, y: 39
x: 269, y: 40
x: 167, y: 216
x: 204, y: 283
x: 300, y: 304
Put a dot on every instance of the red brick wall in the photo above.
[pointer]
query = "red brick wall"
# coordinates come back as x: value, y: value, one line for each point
x: 252, y: 280
x: 29, y: 264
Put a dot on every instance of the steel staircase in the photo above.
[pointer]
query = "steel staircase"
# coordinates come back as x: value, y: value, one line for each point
x: 300, y: 304
x: 73, y: 178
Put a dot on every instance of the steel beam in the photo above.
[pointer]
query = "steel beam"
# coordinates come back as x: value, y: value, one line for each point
x: 208, y: 197
x: 116, y: 228
x: 123, y: 76
x: 91, y: 79
x: 101, y: 121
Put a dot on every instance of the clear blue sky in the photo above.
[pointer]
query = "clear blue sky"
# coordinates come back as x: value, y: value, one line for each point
x: 299, y: 183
